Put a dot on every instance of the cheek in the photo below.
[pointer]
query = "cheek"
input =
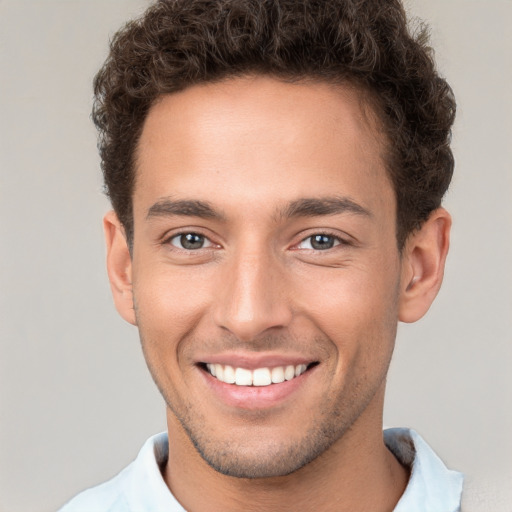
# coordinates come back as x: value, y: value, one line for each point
x: 168, y: 306
x: 169, y: 302
x: 355, y: 306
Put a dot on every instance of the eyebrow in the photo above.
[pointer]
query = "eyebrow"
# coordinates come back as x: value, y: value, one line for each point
x: 304, y: 207
x: 312, y: 207
x: 188, y: 208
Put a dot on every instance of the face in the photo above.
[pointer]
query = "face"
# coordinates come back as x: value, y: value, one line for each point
x: 265, y: 269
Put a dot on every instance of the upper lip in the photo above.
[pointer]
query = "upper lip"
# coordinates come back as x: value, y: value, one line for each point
x: 251, y: 361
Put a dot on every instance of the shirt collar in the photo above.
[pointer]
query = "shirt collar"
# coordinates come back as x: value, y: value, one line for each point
x: 431, y: 487
x: 145, y: 489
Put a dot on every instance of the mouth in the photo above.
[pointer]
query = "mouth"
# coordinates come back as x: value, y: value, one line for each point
x: 258, y: 377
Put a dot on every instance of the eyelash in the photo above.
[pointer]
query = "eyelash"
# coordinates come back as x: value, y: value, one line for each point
x: 178, y: 236
x: 336, y: 241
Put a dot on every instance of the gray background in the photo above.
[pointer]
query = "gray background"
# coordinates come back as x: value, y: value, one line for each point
x: 76, y: 400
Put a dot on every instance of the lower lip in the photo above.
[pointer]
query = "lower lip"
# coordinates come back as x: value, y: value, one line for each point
x: 255, y: 397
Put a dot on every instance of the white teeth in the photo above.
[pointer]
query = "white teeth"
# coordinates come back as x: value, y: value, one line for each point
x: 261, y: 377
x: 300, y: 368
x: 257, y: 377
x: 243, y: 377
x: 277, y: 375
x: 229, y: 374
x: 289, y: 372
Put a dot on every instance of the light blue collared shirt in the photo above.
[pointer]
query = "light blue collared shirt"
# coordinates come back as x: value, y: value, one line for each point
x: 140, y: 486
x: 432, y: 487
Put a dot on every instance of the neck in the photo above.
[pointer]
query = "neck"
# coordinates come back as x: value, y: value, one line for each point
x: 358, y: 472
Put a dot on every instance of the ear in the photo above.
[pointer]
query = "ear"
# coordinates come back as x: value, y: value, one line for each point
x: 119, y: 267
x: 423, y: 262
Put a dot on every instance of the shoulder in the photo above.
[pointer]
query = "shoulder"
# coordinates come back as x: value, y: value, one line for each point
x: 106, y: 497
x: 139, y: 486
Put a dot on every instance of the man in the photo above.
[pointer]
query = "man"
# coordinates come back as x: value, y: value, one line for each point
x: 276, y: 170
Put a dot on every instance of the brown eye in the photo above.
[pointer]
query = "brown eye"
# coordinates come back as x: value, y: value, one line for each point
x: 190, y: 241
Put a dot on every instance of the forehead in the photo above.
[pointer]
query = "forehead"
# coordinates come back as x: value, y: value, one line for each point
x: 258, y: 137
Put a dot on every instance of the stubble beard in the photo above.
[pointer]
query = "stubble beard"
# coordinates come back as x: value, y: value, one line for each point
x: 240, y: 459
x: 236, y: 459
x: 332, y: 419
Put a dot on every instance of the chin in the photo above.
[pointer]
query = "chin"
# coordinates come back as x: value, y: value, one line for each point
x: 263, y: 458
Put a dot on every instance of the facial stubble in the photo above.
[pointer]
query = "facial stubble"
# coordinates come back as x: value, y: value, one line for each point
x: 256, y: 455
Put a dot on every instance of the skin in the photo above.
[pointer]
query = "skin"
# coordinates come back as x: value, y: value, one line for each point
x: 252, y: 150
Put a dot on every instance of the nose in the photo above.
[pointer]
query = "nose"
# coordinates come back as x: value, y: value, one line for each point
x: 252, y: 298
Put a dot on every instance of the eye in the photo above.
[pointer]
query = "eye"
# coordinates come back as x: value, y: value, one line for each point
x: 319, y: 242
x: 190, y: 241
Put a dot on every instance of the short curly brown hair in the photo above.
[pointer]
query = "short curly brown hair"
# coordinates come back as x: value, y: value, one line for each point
x: 178, y: 43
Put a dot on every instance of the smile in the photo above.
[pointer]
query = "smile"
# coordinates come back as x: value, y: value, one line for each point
x: 257, y: 377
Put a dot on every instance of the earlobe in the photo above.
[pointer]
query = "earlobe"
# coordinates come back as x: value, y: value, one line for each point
x: 423, y: 263
x: 119, y: 266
